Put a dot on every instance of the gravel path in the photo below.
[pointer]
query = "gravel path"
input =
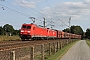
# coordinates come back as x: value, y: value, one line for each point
x: 80, y: 51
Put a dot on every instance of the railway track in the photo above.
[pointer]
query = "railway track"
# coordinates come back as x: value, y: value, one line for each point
x: 9, y: 45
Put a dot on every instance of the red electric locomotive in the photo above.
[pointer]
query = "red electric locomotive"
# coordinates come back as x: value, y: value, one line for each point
x: 32, y: 31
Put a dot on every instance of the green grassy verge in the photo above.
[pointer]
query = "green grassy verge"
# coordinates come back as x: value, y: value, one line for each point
x: 8, y: 38
x: 88, y: 42
x: 60, y: 53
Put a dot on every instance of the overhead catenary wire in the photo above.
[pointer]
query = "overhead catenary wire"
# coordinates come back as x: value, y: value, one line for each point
x: 31, y: 8
x: 54, y: 12
x: 36, y: 6
x: 22, y: 7
x: 14, y: 10
x: 49, y: 6
x: 17, y: 9
x: 3, y: 7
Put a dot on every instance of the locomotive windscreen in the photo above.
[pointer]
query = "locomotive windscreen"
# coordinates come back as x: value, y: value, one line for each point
x: 26, y: 27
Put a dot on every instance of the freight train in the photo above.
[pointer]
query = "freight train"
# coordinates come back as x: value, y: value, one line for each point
x: 32, y: 31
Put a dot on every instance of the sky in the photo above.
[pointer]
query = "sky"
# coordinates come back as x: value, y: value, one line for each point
x: 57, y: 13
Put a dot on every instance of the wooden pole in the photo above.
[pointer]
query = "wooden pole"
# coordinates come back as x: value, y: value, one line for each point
x: 12, y: 55
x: 49, y: 48
x: 32, y: 53
x: 42, y: 51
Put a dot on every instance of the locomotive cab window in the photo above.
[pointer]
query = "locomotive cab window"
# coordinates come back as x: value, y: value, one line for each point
x: 23, y: 26
x: 26, y: 27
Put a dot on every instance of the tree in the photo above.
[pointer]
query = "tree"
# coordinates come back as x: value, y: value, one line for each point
x: 16, y: 32
x: 87, y: 33
x: 66, y: 30
x: 76, y: 30
x: 1, y: 29
x: 8, y: 29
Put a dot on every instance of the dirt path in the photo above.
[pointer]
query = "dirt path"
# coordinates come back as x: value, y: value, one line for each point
x: 80, y: 51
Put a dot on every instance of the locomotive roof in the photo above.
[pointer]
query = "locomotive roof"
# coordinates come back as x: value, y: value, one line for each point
x: 34, y: 25
x: 38, y: 26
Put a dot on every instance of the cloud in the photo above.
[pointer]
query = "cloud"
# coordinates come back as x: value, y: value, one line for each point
x: 87, y: 1
x: 63, y: 11
x: 25, y: 3
x: 39, y: 0
x: 68, y: 9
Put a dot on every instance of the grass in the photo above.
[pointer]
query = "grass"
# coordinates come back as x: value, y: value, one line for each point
x: 60, y: 53
x: 8, y: 38
x: 88, y: 42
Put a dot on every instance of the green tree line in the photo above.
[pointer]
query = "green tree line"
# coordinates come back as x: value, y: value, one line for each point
x: 8, y: 30
x: 78, y: 30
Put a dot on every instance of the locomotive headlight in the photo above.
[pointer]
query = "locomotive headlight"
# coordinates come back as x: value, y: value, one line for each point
x: 22, y: 30
x: 28, y: 31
